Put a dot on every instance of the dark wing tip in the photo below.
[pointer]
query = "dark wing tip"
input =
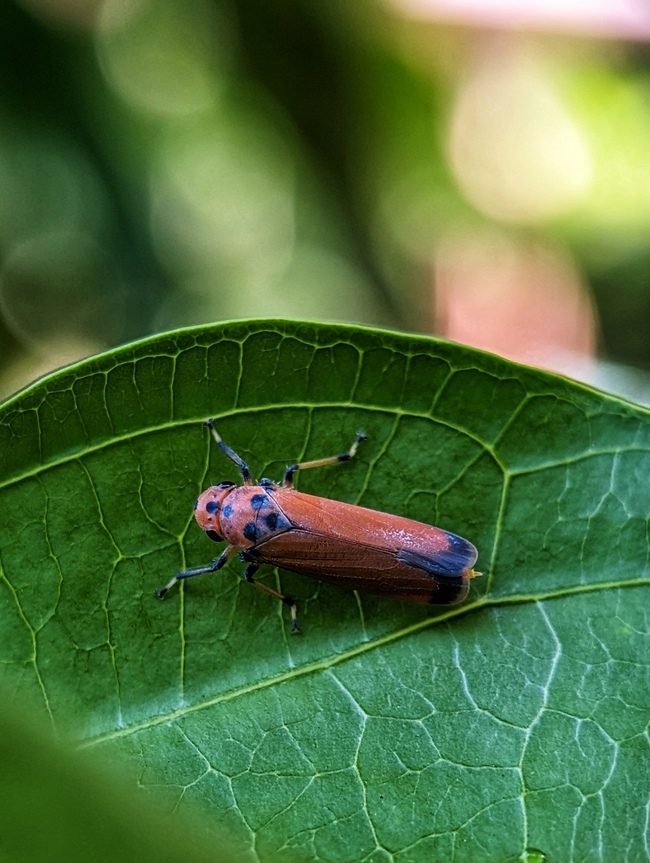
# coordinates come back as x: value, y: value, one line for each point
x: 452, y: 562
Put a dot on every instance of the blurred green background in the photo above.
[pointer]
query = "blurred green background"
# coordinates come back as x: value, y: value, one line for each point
x: 439, y: 167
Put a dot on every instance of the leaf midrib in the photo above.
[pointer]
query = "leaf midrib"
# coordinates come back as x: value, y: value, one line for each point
x: 359, y: 650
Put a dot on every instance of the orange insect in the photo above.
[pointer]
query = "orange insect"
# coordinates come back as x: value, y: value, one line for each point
x: 340, y: 543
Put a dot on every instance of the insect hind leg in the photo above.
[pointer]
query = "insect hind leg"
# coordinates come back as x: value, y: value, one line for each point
x: 287, y: 481
x: 250, y: 571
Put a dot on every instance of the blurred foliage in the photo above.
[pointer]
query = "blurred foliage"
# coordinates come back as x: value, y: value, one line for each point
x: 59, y: 807
x: 167, y: 164
x: 622, y: 292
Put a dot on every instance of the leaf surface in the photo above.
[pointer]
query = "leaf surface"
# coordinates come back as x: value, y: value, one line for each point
x: 387, y: 731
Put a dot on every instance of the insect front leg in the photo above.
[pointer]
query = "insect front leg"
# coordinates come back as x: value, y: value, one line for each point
x: 190, y: 573
x: 241, y: 464
x: 287, y: 482
x: 250, y: 571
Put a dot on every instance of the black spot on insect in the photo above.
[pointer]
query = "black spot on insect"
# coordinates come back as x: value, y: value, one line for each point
x: 196, y: 504
x: 214, y: 536
x: 251, y: 532
x: 212, y: 506
x: 258, y: 501
x: 227, y: 511
x: 271, y: 520
x: 451, y: 563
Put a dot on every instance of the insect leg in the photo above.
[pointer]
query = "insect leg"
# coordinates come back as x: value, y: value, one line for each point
x: 250, y: 571
x: 190, y: 573
x: 287, y: 482
x: 241, y: 464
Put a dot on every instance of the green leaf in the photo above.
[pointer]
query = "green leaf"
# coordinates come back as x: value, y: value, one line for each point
x: 386, y: 731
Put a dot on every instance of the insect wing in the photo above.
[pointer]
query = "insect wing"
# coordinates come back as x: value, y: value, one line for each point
x: 358, y: 567
x: 421, y: 545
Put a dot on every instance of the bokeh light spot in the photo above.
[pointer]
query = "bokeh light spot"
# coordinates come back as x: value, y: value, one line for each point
x: 516, y: 152
x: 523, y: 300
x: 158, y: 55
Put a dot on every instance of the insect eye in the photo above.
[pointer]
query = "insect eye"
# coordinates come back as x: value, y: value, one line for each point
x: 226, y: 484
x: 214, y: 536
